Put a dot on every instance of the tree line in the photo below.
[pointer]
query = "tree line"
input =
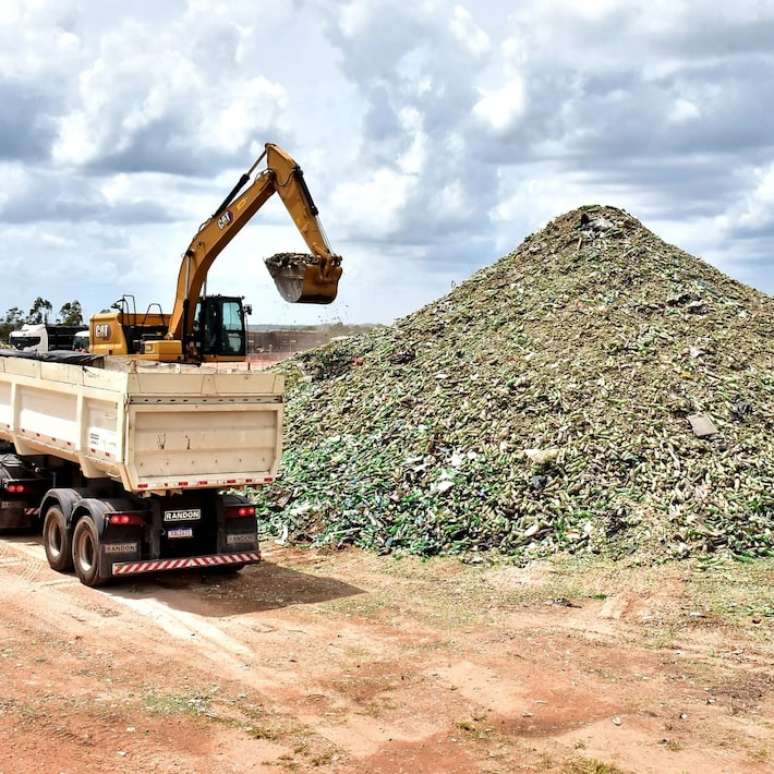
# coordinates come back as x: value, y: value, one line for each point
x: 41, y: 311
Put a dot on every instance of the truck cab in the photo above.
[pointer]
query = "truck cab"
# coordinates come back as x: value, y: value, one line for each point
x: 45, y: 337
x: 31, y: 338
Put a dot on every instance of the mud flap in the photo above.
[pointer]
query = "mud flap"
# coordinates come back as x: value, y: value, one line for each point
x: 15, y: 515
x: 114, y: 553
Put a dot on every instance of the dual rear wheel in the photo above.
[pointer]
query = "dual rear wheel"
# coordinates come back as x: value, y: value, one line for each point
x: 86, y: 552
x: 56, y: 540
x: 79, y: 552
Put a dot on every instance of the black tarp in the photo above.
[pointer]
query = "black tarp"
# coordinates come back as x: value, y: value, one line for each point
x: 56, y: 356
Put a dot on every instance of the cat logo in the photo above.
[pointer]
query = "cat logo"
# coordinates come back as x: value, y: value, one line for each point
x: 225, y: 219
x: 102, y: 331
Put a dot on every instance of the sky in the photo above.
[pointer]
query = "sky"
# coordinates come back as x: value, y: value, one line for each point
x: 434, y: 137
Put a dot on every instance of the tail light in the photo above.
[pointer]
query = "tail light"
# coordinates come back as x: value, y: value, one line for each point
x: 240, y: 511
x: 125, y: 519
x: 15, y: 488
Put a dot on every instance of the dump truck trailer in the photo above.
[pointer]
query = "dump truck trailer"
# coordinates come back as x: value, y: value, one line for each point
x: 131, y: 467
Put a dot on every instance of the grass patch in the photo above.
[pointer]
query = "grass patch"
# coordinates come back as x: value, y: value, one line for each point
x: 589, y: 766
x: 262, y: 732
x: 736, y: 592
x: 443, y: 592
x: 475, y: 730
x: 159, y: 703
x: 761, y: 755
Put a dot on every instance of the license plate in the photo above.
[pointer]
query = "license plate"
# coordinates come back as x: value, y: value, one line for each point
x: 188, y: 514
x: 180, y: 532
x: 241, y: 538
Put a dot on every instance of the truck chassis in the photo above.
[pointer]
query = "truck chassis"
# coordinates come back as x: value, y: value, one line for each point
x: 95, y: 527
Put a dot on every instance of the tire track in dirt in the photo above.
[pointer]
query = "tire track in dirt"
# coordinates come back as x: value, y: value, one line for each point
x: 220, y: 647
x: 295, y: 674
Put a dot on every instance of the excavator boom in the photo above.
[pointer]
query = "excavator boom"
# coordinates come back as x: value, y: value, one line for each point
x: 193, y: 337
x: 307, y: 279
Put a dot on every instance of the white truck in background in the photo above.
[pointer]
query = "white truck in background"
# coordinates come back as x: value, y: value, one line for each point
x: 45, y: 337
x: 124, y: 464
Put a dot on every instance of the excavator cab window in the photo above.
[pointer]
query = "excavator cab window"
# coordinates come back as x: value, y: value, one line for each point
x: 219, y: 327
x: 232, y: 328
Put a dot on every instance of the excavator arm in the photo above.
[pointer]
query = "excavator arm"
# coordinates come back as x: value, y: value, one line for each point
x: 300, y: 279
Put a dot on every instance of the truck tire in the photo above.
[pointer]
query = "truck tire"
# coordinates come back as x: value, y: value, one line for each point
x: 57, y: 539
x: 86, y: 552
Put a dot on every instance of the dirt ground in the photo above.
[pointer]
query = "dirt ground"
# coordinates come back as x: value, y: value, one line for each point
x: 348, y: 662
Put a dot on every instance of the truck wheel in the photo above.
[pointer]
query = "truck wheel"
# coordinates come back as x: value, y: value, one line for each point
x: 56, y: 540
x: 86, y: 552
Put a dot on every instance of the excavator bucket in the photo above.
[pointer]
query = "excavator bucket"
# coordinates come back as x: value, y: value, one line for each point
x: 300, y: 278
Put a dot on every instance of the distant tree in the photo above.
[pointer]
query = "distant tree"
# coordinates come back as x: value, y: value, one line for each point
x: 15, y: 317
x: 71, y: 313
x: 41, y: 309
x: 11, y: 321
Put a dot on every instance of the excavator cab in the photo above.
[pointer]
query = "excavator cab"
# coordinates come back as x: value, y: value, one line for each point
x: 219, y: 328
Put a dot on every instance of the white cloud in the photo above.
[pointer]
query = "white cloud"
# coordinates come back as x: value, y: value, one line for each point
x: 467, y: 32
x: 452, y: 201
x: 755, y: 212
x: 412, y: 159
x: 415, y: 68
x: 501, y: 108
x: 684, y: 110
x: 37, y: 38
x: 145, y: 103
x: 353, y: 17
x: 434, y: 134
x: 371, y: 208
x: 153, y: 190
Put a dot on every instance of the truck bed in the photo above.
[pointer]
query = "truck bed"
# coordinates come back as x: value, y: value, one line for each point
x: 156, y: 428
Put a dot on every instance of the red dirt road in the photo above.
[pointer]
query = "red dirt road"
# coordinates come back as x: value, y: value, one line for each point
x: 353, y: 663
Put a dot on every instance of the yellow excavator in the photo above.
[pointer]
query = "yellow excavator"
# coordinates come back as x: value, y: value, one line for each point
x: 205, y: 328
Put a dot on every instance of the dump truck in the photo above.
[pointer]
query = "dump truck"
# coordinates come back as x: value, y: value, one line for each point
x: 130, y: 468
x: 134, y: 457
